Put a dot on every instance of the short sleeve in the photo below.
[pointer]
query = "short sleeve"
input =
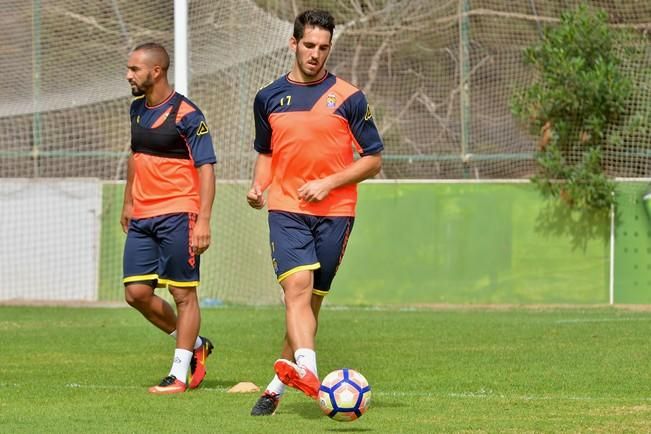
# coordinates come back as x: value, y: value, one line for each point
x: 195, y: 130
x: 357, y: 112
x: 262, y: 141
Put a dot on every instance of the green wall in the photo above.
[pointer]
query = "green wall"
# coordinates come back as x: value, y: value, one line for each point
x: 469, y: 243
x: 632, y: 245
x: 413, y: 243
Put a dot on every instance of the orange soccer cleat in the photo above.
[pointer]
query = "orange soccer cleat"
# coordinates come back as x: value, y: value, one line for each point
x: 298, y: 377
x: 198, y: 363
x: 168, y: 385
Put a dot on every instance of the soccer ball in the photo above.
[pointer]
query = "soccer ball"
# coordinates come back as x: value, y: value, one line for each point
x: 344, y: 395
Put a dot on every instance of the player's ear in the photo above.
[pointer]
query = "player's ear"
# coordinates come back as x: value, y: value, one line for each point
x: 293, y: 43
x: 156, y: 71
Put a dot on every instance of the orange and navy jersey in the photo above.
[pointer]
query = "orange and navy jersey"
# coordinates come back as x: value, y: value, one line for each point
x: 168, y: 142
x: 311, y: 131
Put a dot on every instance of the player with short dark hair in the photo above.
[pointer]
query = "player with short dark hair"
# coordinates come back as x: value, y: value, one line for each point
x: 311, y: 18
x: 307, y: 124
x: 168, y: 201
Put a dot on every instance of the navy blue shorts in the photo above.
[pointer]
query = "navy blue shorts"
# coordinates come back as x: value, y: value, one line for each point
x: 305, y: 242
x: 157, y: 251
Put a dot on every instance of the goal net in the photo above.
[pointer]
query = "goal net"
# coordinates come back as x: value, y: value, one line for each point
x: 439, y: 75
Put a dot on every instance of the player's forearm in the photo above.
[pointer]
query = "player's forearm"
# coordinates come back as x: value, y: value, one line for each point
x: 206, y: 191
x: 363, y: 168
x: 262, y: 172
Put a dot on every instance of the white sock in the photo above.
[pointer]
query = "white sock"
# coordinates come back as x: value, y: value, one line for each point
x: 276, y: 386
x: 181, y: 364
x: 197, y: 343
x: 307, y: 358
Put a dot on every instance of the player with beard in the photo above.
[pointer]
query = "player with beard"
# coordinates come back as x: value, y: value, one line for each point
x: 307, y: 124
x: 168, y: 201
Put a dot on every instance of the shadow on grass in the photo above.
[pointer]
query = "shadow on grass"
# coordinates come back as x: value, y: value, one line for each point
x: 307, y: 409
x: 311, y: 410
x: 221, y: 384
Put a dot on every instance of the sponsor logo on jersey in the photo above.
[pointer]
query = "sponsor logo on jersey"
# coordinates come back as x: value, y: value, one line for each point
x: 368, y: 114
x: 203, y: 129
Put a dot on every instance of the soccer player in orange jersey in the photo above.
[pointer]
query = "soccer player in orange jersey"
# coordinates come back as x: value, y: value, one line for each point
x: 166, y: 213
x: 308, y: 124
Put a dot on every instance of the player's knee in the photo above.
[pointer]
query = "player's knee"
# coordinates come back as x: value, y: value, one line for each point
x: 132, y: 299
x: 183, y: 296
x: 299, y: 282
x: 136, y: 295
x: 298, y: 295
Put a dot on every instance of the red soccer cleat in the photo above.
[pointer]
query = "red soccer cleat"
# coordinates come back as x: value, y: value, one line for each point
x: 298, y: 377
x: 198, y: 363
x: 168, y: 385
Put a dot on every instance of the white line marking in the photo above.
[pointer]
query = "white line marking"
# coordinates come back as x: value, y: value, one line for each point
x: 589, y: 320
x: 101, y: 386
x: 479, y: 394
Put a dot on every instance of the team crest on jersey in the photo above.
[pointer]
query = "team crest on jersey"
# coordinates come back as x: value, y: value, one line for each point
x: 203, y: 129
x: 331, y: 100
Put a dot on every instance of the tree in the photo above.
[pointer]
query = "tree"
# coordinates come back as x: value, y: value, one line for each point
x: 579, y: 91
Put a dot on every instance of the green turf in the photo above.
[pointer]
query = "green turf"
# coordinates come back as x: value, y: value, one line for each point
x: 458, y: 370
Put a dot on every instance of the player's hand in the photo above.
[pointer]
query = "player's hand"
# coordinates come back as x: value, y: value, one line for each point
x: 125, y: 218
x: 314, y: 191
x: 200, y: 239
x: 255, y: 198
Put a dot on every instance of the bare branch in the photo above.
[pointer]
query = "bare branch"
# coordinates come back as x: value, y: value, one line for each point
x: 386, y: 126
x: 295, y: 8
x: 375, y: 64
x: 356, y: 55
x: 91, y: 21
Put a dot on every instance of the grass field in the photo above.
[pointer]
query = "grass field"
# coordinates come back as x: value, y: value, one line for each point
x: 447, y: 370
